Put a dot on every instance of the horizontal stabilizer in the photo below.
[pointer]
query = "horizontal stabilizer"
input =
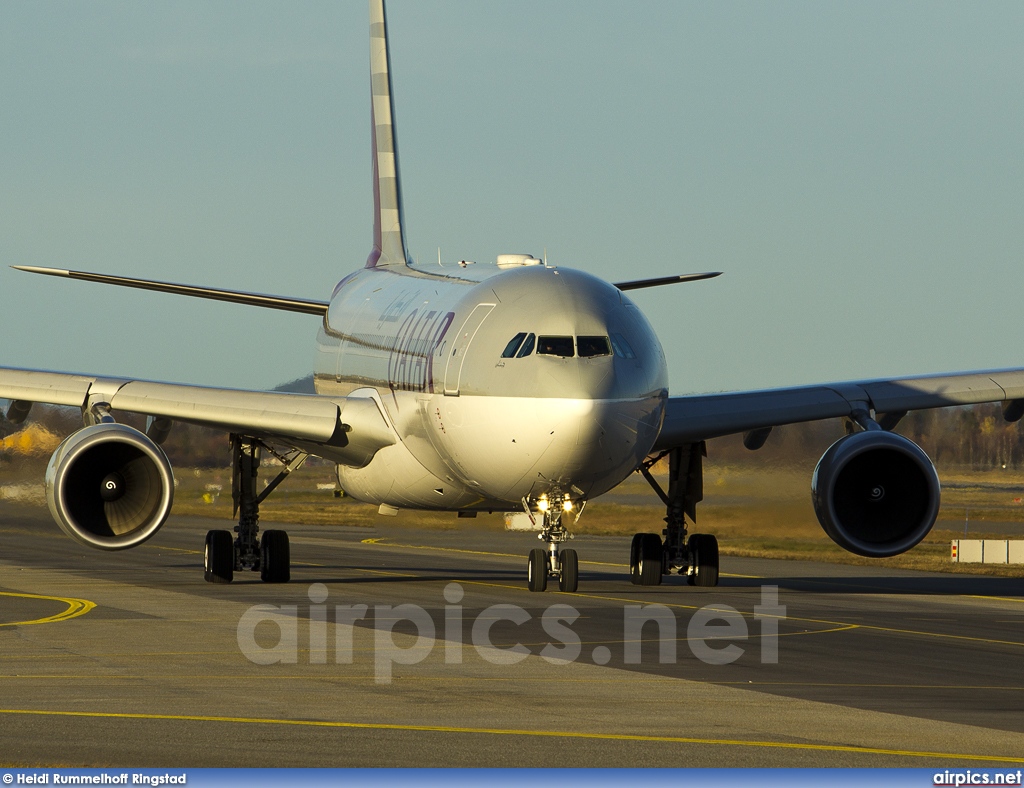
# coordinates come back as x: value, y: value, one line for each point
x: 636, y: 284
x: 233, y: 296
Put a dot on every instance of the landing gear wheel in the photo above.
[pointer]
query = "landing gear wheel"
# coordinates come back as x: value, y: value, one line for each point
x: 634, y: 559
x: 275, y: 557
x: 569, y: 571
x: 537, y: 570
x: 219, y: 557
x: 703, y: 549
x: 649, y: 562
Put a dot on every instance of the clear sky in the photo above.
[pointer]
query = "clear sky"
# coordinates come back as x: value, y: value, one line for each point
x: 855, y: 169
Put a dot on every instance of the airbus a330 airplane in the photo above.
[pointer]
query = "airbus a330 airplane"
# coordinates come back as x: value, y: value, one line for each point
x: 502, y: 387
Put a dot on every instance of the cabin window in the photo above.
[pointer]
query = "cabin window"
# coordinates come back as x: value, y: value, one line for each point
x: 555, y: 346
x: 622, y: 347
x: 589, y: 347
x: 513, y: 345
x: 527, y: 347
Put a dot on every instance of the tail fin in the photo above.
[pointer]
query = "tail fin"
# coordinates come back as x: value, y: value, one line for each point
x: 388, y: 240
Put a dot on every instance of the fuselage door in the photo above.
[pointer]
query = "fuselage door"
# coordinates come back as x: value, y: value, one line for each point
x: 460, y: 346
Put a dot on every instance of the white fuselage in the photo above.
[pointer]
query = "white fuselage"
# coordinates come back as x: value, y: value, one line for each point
x: 475, y: 430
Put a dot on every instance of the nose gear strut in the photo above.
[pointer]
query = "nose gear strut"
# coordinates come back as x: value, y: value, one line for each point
x: 542, y: 563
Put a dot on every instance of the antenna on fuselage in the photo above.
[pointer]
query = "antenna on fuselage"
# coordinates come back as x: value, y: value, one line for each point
x: 388, y: 239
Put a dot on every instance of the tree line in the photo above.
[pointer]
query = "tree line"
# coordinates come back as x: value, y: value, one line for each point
x: 975, y: 437
x: 971, y: 437
x: 47, y: 425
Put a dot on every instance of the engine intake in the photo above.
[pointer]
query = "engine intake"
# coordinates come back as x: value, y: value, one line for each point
x: 876, y: 493
x: 109, y: 486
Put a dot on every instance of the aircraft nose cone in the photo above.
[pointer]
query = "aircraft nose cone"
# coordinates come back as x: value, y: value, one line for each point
x: 583, y: 443
x: 604, y: 443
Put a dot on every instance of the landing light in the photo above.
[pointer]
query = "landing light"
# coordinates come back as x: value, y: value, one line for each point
x: 567, y: 506
x: 542, y: 504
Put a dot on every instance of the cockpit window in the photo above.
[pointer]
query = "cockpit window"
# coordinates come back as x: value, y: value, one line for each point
x: 555, y: 346
x: 513, y: 345
x: 527, y: 347
x: 589, y: 347
x: 622, y: 347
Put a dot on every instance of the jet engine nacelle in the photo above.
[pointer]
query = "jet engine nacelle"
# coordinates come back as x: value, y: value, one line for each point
x: 109, y: 486
x: 876, y: 493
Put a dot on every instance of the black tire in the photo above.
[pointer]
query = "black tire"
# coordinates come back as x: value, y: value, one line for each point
x: 703, y: 550
x: 219, y: 557
x: 634, y: 559
x: 537, y: 570
x: 569, y: 576
x: 275, y: 557
x: 649, y: 562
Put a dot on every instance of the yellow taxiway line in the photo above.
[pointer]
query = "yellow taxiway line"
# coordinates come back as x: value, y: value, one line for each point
x: 381, y: 541
x: 451, y: 729
x: 838, y: 625
x: 76, y: 608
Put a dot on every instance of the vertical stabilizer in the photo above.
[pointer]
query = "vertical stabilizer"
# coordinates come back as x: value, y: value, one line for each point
x: 388, y: 240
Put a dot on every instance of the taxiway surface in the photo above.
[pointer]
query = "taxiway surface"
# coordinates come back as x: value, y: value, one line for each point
x: 132, y: 659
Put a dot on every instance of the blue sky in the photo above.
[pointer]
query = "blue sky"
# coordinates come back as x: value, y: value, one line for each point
x: 855, y: 169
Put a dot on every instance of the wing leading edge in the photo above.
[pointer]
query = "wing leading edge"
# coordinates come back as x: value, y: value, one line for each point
x: 349, y: 430
x: 284, y: 303
x: 689, y: 419
x: 638, y: 284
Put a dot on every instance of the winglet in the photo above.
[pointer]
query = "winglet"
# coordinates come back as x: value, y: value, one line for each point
x: 388, y: 241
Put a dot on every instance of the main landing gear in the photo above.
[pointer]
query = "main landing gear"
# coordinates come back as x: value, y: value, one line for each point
x: 542, y: 563
x: 268, y: 554
x: 696, y: 557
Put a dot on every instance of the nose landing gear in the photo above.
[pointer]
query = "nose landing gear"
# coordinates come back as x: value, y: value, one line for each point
x: 552, y: 562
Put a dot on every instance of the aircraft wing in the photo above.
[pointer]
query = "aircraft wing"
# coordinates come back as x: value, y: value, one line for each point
x: 347, y: 429
x: 689, y: 419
